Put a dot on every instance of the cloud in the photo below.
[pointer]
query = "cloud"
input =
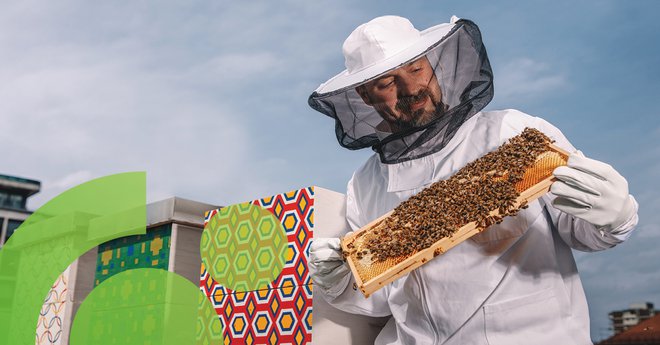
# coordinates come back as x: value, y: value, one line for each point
x: 523, y: 78
x: 71, y: 180
x: 104, y: 113
x: 233, y: 68
x: 208, y: 99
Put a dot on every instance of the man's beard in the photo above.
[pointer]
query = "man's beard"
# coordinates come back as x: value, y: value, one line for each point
x: 419, y: 117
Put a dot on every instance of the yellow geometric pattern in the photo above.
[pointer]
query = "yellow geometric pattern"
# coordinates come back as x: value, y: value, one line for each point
x: 279, y: 312
x: 244, y: 247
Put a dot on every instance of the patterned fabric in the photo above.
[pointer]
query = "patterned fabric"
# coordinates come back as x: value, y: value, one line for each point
x: 52, y: 314
x: 281, y: 311
x: 151, y: 250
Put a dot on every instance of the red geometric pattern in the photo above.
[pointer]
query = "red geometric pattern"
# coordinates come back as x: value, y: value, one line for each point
x: 282, y: 312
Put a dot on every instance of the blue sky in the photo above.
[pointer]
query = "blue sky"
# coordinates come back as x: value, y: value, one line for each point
x: 210, y: 98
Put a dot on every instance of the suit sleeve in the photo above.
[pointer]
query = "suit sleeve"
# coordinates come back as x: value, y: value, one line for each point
x: 352, y: 300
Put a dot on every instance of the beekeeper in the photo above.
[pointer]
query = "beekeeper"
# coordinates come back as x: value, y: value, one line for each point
x: 416, y: 98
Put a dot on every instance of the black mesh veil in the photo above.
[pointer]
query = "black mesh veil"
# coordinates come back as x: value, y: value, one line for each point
x: 463, y: 72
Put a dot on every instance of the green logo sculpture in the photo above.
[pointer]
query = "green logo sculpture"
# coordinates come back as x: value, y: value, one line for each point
x: 134, y: 307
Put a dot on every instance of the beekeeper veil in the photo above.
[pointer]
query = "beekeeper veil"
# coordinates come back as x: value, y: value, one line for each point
x: 371, y: 103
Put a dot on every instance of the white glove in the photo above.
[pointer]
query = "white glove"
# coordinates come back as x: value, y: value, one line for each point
x: 328, y: 269
x: 594, y: 191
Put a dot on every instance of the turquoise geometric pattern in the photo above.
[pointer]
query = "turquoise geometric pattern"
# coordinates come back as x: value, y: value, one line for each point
x: 244, y: 247
x: 151, y: 250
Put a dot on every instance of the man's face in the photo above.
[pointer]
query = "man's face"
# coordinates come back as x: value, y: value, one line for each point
x: 405, y: 97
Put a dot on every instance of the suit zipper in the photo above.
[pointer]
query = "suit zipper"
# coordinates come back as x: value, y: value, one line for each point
x: 425, y: 305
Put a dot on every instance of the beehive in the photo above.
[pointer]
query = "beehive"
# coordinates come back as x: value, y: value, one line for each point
x: 371, y: 273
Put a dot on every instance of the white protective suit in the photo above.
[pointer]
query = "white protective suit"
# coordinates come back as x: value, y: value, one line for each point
x: 515, y: 283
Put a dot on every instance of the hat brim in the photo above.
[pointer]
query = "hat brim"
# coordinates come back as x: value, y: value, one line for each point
x: 428, y: 39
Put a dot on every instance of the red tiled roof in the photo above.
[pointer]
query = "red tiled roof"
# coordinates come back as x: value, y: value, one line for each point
x: 647, y: 332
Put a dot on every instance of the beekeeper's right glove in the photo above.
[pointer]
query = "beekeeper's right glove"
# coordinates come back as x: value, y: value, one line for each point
x: 328, y: 269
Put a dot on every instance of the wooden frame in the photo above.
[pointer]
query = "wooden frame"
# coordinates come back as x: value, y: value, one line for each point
x: 441, y: 246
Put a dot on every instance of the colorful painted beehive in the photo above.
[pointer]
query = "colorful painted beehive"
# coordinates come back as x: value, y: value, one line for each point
x: 254, y: 268
x: 254, y: 271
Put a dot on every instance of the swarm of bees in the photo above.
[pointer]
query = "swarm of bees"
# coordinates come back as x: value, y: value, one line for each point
x: 470, y: 195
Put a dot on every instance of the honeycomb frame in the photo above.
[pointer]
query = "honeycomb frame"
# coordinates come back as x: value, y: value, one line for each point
x: 371, y: 276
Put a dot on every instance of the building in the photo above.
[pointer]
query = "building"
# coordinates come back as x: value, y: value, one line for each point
x: 14, y: 192
x: 623, y: 320
x: 646, y: 332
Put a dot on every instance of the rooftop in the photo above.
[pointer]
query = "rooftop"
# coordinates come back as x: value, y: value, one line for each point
x: 647, y: 332
x: 21, y: 185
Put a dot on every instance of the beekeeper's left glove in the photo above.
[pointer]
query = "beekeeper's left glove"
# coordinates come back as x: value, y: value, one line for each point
x: 594, y: 191
x: 328, y: 269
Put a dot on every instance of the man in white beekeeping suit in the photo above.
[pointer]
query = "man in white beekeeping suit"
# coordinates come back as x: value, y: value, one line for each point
x: 416, y: 99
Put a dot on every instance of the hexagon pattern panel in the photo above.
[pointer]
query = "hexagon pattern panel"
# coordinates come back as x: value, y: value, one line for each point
x: 151, y: 250
x: 262, y: 292
x: 244, y: 247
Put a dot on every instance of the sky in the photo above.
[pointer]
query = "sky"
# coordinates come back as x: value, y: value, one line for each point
x: 210, y: 99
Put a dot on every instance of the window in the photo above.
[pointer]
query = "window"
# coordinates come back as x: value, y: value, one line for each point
x: 12, y: 225
x: 16, y: 201
x: 12, y: 200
